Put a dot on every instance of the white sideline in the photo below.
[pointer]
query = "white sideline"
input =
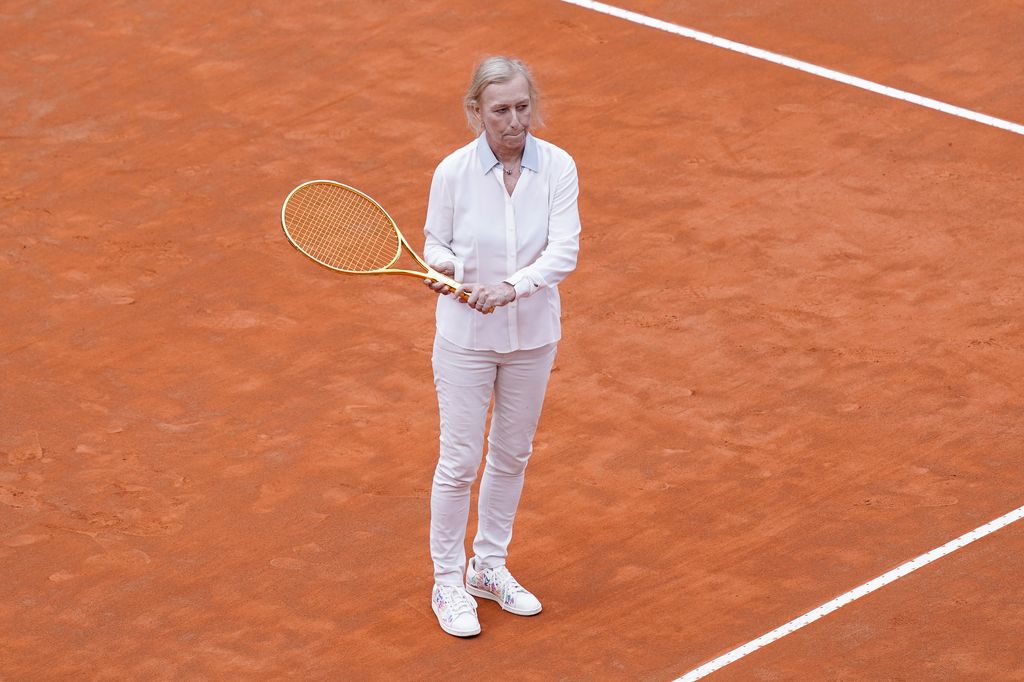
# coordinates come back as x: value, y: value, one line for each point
x: 798, y: 65
x: 852, y: 595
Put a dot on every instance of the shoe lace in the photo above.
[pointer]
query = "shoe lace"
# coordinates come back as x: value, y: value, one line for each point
x: 457, y: 600
x: 509, y: 585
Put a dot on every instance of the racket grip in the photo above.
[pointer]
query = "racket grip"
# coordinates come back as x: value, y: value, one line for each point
x: 445, y: 279
x: 452, y: 284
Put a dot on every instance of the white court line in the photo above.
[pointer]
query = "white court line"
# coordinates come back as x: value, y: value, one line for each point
x: 854, y: 594
x: 798, y: 65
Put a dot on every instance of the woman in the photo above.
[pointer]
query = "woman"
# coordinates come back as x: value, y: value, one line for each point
x: 502, y: 217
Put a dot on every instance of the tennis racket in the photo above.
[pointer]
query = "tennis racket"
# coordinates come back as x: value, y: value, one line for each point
x: 345, y: 230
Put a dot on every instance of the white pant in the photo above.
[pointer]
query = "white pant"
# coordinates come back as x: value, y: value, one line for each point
x: 465, y: 381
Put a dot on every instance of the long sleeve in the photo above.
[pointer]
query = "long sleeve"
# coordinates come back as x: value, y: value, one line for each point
x: 438, y: 229
x: 558, y: 258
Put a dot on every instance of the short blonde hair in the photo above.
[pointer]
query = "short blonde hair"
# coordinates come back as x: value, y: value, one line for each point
x: 493, y: 70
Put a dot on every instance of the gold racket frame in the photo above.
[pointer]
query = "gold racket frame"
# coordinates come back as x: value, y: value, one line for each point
x: 429, y: 272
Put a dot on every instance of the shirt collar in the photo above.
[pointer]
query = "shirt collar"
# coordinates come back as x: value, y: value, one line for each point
x: 531, y: 159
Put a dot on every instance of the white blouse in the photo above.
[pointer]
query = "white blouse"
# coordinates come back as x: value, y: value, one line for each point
x: 529, y: 239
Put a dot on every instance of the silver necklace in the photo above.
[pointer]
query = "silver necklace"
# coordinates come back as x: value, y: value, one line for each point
x: 508, y: 171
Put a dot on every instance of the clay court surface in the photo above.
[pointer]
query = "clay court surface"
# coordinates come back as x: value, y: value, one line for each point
x: 792, y: 354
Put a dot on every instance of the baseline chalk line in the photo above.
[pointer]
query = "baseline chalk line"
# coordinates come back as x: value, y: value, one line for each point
x: 791, y: 63
x: 854, y: 594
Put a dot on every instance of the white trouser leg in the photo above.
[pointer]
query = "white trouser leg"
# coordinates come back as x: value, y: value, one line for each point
x: 518, y: 397
x: 465, y: 381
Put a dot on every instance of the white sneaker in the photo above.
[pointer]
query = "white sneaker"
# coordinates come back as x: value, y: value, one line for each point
x: 455, y: 610
x: 499, y: 585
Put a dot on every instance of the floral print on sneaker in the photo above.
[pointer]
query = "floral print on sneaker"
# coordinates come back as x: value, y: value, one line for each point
x: 497, y: 581
x: 451, y: 602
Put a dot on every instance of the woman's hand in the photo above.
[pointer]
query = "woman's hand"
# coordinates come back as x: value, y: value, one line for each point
x: 481, y: 297
x: 486, y: 297
x: 445, y: 268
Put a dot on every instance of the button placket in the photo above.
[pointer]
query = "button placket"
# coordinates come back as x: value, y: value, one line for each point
x: 510, y: 265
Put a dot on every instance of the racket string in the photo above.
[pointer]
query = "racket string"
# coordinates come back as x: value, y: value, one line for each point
x: 327, y: 240
x: 341, y: 228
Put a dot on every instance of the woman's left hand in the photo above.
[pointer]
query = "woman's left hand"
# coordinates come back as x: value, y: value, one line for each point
x: 486, y: 297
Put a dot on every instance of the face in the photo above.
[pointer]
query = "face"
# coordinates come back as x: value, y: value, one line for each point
x: 504, y: 111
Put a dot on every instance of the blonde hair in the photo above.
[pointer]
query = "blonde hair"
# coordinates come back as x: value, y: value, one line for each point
x: 493, y: 70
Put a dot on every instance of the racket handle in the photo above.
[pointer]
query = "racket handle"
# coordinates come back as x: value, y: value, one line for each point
x: 445, y: 279
x: 452, y: 284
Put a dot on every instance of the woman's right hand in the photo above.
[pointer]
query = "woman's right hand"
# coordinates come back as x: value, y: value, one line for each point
x: 446, y: 268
